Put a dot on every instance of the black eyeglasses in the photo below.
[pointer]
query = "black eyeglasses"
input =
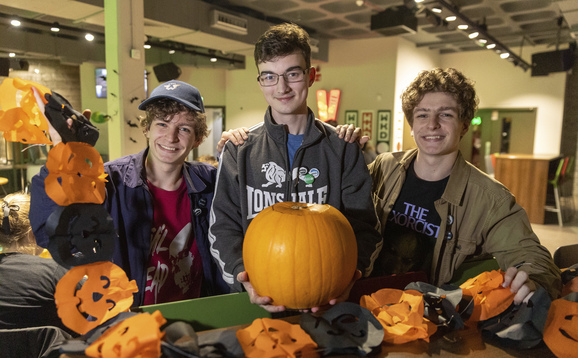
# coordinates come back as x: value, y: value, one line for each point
x: 271, y: 79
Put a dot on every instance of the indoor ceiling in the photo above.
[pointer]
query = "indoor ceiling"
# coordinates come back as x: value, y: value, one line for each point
x: 512, y: 23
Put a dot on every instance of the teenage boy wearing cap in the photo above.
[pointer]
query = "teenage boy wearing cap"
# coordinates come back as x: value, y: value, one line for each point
x: 159, y: 202
x: 291, y: 156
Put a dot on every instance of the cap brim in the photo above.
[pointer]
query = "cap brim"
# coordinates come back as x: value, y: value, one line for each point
x: 144, y: 103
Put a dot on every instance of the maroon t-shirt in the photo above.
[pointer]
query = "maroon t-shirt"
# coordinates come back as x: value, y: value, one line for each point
x: 175, y: 270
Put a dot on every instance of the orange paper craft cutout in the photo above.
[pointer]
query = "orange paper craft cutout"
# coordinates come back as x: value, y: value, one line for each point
x: 21, y: 119
x: 267, y: 337
x: 490, y: 298
x: 138, y: 336
x: 105, y: 293
x: 401, y: 315
x: 561, y: 328
x: 75, y: 174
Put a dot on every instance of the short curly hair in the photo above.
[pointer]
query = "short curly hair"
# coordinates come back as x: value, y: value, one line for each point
x: 166, y: 108
x: 447, y: 80
x: 282, y: 40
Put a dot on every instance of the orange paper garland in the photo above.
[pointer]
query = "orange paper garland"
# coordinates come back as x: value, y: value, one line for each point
x: 267, y: 337
x: 138, y: 336
x: 105, y: 293
x: 75, y: 174
x: 21, y: 119
x: 490, y: 298
x: 401, y: 315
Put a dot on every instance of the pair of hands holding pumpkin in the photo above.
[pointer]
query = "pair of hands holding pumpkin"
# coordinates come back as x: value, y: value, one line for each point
x: 516, y: 280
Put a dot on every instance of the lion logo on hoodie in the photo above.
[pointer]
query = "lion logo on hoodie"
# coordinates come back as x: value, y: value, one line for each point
x: 274, y: 174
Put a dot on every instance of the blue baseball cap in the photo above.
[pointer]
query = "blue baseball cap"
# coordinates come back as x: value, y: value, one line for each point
x: 179, y: 91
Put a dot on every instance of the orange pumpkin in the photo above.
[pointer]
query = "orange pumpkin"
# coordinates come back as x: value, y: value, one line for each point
x: 300, y: 255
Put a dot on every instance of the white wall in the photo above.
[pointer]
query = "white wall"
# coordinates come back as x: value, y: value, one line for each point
x: 501, y: 85
x: 410, y: 61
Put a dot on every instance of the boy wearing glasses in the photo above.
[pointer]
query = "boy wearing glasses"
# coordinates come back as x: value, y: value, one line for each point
x: 291, y: 156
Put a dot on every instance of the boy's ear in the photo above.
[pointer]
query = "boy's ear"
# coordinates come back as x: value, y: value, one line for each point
x: 312, y: 73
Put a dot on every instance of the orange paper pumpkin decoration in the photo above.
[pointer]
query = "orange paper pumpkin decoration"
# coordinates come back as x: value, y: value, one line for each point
x: 21, y: 119
x: 75, y: 174
x: 300, y: 255
x: 138, y: 336
x: 105, y: 293
x: 490, y: 298
x: 267, y: 337
x: 561, y: 328
x: 401, y: 315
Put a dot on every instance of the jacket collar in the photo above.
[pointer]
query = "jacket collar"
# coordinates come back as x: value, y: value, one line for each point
x: 279, y: 133
x: 135, y: 174
x: 457, y: 181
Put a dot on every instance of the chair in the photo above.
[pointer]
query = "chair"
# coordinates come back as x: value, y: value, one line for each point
x: 489, y: 165
x: 566, y: 256
x: 555, y: 182
x: 566, y: 190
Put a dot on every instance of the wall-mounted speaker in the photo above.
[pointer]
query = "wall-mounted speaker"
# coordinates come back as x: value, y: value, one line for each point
x: 4, y: 67
x: 167, y: 71
x: 544, y: 63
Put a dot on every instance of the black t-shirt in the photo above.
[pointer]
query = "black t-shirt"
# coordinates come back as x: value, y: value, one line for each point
x: 412, y: 227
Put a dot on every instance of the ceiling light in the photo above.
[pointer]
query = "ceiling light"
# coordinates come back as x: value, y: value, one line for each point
x: 437, y: 10
x: 504, y: 55
x: 12, y: 54
x: 55, y: 27
x: 491, y: 46
x: 147, y: 46
x: 482, y: 41
x: 451, y: 18
x: 15, y: 23
x: 172, y: 52
x: 213, y: 59
x: 473, y: 35
x: 418, y: 1
x: 89, y: 37
x: 463, y: 27
x: 359, y: 2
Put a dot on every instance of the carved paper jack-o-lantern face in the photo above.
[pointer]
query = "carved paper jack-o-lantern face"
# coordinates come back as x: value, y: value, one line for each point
x: 21, y: 119
x: 400, y: 313
x: 105, y: 293
x: 275, y: 338
x: 75, y: 174
x: 561, y: 329
x: 490, y: 298
x: 80, y: 234
x: 139, y: 335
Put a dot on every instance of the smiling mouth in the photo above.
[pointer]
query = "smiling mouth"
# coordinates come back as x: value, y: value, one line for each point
x: 433, y: 137
x: 168, y: 148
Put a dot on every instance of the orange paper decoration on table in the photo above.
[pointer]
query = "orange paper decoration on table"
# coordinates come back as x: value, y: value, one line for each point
x: 401, y: 315
x: 138, y: 336
x: 21, y: 119
x: 490, y: 298
x: 561, y: 328
x: 75, y: 174
x: 105, y: 293
x: 300, y: 255
x: 267, y: 337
